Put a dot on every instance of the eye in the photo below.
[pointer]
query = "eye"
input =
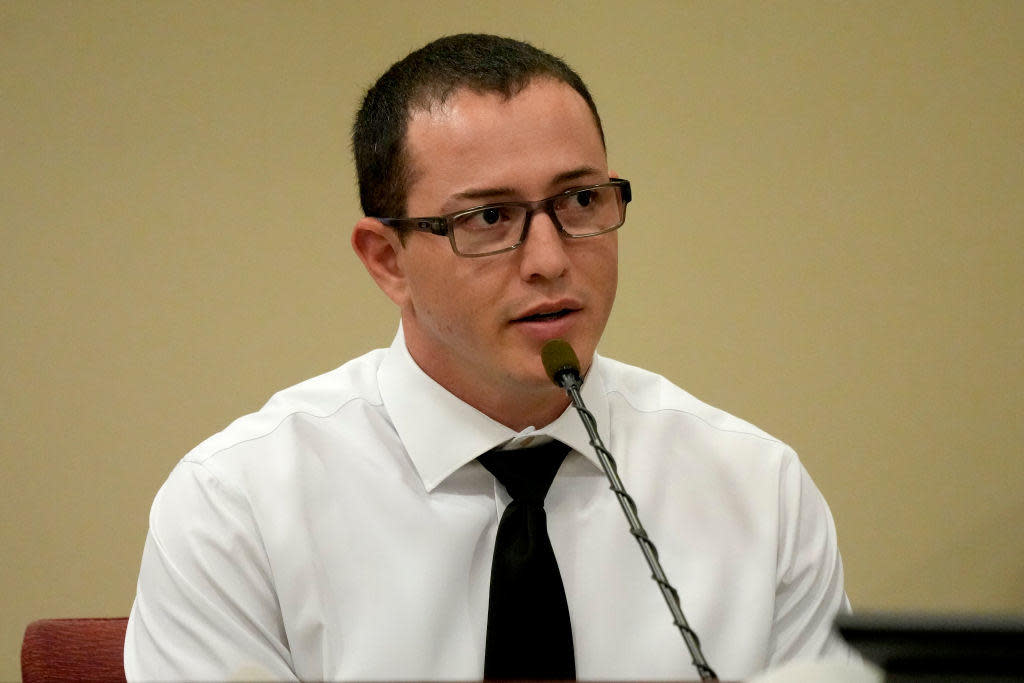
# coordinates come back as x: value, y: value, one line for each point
x: 488, y: 218
x: 491, y: 215
x: 583, y: 197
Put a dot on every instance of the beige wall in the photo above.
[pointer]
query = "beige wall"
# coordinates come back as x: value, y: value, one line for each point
x: 826, y: 240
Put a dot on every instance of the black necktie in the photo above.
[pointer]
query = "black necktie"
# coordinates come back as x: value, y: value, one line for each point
x: 528, y: 631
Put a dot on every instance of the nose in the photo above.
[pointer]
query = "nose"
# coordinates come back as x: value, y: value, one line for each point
x: 543, y: 255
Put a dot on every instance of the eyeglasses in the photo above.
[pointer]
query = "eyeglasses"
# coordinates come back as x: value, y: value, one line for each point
x: 496, y: 228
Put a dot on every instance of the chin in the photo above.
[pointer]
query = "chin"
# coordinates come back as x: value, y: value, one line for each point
x: 529, y: 374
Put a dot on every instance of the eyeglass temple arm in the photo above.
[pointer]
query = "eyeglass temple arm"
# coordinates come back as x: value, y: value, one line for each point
x: 436, y: 226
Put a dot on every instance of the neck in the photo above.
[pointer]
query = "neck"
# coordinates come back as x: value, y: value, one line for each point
x: 518, y: 414
x: 516, y: 402
x: 513, y: 405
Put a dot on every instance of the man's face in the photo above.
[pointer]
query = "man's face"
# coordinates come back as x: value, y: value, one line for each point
x: 471, y: 323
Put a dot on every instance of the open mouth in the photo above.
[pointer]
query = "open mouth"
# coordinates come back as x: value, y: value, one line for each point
x: 540, y: 317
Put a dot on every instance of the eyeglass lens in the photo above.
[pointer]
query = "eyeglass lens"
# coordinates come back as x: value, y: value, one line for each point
x: 500, y: 226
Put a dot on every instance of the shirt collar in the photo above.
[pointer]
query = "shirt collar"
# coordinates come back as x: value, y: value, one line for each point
x: 442, y: 433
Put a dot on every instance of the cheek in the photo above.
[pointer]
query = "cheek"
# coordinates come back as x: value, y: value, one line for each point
x: 450, y: 299
x: 433, y: 303
x: 604, y: 270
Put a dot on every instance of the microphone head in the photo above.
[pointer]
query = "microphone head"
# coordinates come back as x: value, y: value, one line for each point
x: 559, y: 359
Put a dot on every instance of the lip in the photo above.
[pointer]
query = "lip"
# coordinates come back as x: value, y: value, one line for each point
x: 570, y: 305
x: 543, y: 329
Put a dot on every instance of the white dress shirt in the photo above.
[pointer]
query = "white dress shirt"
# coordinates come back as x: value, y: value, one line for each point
x: 345, y: 531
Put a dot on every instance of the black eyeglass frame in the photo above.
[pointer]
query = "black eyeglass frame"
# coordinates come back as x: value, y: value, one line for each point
x: 442, y: 225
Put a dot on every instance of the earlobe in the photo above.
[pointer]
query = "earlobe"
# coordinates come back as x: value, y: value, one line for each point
x: 377, y: 247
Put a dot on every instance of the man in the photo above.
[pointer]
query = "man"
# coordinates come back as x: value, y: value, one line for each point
x: 348, y: 531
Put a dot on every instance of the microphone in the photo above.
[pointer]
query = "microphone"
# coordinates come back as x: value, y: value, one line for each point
x: 561, y: 363
x: 563, y: 367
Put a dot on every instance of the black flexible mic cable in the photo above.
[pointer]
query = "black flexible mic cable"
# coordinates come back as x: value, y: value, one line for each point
x: 563, y: 367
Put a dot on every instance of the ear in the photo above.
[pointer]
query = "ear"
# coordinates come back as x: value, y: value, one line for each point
x: 377, y: 246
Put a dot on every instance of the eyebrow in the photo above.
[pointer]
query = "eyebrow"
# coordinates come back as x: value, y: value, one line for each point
x: 496, y: 192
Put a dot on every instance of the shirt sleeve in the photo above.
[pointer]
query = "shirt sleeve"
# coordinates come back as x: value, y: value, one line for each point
x: 809, y: 584
x: 205, y: 607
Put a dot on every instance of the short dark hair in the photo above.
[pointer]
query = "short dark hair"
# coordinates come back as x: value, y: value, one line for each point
x: 429, y: 76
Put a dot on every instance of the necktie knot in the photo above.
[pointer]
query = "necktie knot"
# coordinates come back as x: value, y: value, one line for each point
x: 526, y: 473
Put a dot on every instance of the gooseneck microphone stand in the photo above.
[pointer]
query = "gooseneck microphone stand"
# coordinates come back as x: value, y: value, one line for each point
x: 567, y: 376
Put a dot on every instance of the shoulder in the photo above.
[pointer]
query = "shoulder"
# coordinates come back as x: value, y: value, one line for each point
x: 646, y: 393
x: 263, y: 472
x: 315, y: 402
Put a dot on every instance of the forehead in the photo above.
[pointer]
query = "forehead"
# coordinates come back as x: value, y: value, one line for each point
x: 475, y: 140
